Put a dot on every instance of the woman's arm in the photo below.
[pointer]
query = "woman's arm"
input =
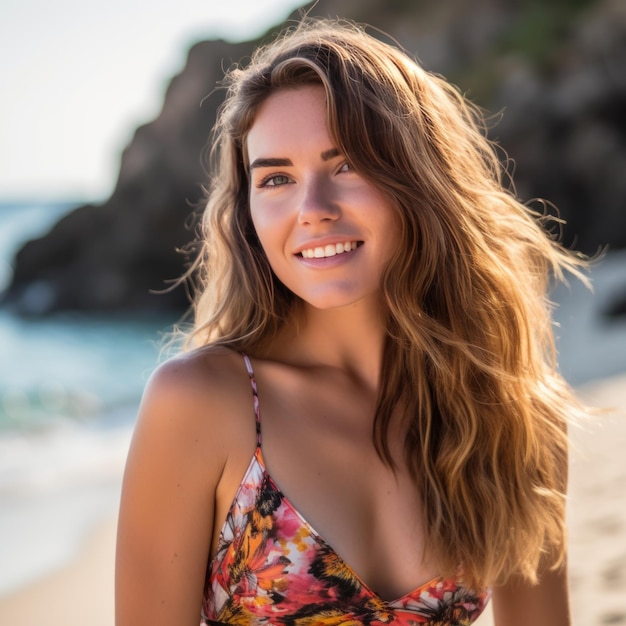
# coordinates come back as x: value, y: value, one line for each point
x: 520, y: 604
x: 166, y: 513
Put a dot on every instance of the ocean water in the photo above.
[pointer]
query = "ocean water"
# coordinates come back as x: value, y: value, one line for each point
x: 590, y: 345
x: 70, y: 387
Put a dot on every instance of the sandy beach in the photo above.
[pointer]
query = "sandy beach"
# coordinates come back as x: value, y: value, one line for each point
x: 597, y: 511
x: 82, y: 591
x: 79, y: 593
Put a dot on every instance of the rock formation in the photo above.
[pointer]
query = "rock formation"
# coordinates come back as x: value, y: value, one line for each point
x: 555, y: 71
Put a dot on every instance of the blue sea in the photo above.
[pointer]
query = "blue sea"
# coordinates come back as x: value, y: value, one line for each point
x: 70, y: 386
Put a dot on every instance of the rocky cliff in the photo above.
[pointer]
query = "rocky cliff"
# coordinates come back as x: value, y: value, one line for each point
x: 555, y: 71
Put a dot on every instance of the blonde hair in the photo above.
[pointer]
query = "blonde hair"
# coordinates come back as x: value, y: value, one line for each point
x: 469, y: 358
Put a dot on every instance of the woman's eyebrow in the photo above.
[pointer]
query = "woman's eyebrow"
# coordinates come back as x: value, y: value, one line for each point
x: 327, y: 155
x: 270, y: 163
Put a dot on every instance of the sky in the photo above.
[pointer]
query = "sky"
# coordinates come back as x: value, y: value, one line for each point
x: 78, y: 76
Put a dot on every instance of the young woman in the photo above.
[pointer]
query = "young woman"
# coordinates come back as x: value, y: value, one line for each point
x: 369, y: 427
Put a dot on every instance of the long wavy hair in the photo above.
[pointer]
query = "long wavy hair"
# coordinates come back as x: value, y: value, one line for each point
x: 469, y: 357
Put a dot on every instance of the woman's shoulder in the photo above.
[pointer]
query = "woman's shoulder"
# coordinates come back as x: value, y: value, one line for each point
x: 211, y: 370
x: 207, y: 389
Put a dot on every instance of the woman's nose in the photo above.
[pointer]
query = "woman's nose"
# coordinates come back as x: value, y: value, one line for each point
x: 317, y: 204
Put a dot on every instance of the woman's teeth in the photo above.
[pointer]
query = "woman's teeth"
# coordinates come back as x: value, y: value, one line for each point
x: 330, y: 250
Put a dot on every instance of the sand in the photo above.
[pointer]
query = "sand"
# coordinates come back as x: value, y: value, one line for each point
x: 79, y: 593
x: 597, y: 511
x: 82, y: 592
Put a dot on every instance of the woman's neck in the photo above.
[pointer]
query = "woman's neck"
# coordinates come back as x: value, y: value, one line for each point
x: 348, y: 338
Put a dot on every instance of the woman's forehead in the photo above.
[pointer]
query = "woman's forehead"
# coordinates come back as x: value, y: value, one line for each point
x: 288, y: 118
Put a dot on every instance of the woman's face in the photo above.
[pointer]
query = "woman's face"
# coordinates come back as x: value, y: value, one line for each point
x: 327, y: 231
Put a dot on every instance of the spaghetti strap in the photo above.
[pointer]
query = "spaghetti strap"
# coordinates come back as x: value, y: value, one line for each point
x: 255, y: 397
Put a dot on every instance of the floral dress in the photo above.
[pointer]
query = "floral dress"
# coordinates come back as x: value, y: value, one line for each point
x: 272, y: 568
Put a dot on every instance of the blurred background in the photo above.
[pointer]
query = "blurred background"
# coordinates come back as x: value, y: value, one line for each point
x: 105, y: 111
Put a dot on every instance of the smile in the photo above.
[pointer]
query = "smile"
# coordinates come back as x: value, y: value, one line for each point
x: 321, y: 252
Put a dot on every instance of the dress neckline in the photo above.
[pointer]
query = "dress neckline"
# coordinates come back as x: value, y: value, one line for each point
x: 413, y: 593
x: 258, y: 457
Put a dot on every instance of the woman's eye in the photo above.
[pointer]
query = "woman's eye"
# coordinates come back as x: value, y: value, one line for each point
x: 346, y: 167
x: 275, y: 180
